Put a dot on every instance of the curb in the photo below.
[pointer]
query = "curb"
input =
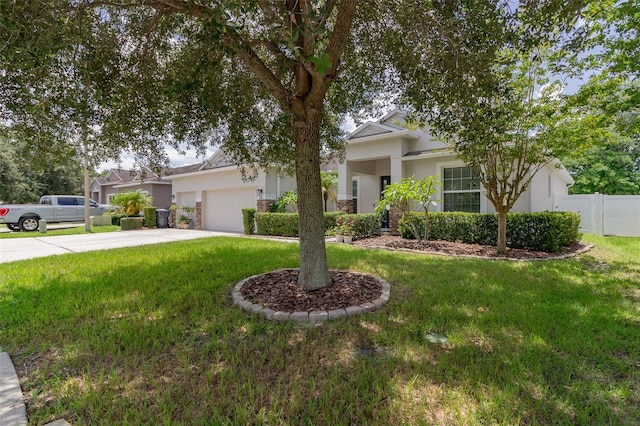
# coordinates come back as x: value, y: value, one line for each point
x: 13, y: 411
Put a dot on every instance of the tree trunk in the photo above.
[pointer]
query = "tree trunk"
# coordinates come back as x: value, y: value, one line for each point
x: 502, y: 231
x: 314, y: 273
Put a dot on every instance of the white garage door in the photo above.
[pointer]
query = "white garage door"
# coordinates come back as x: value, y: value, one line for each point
x: 223, y: 208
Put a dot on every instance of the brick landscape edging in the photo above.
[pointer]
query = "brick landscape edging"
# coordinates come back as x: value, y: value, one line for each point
x: 312, y: 317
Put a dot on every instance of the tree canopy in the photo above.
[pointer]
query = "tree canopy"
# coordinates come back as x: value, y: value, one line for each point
x: 268, y: 81
x: 259, y: 78
x: 27, y: 174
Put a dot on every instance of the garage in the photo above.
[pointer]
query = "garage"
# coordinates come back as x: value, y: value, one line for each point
x: 223, y: 208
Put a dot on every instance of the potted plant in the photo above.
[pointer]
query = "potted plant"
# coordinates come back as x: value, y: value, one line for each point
x: 347, y: 232
x: 184, y: 220
x: 339, y: 236
x: 345, y: 229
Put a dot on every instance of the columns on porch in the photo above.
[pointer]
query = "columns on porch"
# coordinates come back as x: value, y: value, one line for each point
x: 345, y: 188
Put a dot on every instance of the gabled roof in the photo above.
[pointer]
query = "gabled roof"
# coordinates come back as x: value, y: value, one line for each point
x: 146, y: 174
x: 217, y: 160
x: 116, y: 175
x: 394, y: 115
x: 190, y: 168
x: 384, y: 126
x: 371, y: 128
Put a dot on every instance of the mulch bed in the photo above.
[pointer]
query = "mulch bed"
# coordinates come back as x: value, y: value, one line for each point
x: 462, y: 249
x: 278, y: 290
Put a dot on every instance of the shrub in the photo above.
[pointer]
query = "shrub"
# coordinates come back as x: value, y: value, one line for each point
x: 130, y: 223
x: 277, y: 224
x: 288, y: 199
x: 286, y: 224
x: 116, y: 217
x: 248, y: 220
x: 150, y: 217
x: 544, y: 231
x: 331, y: 220
x: 364, y: 224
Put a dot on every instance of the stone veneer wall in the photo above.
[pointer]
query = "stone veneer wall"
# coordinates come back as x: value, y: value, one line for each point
x: 394, y: 220
x: 172, y: 215
x: 345, y: 206
x: 198, y: 223
x: 263, y: 206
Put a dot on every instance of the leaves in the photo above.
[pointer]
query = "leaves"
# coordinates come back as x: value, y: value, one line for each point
x: 408, y: 191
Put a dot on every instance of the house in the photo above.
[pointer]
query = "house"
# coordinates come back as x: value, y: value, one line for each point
x: 382, y: 152
x: 377, y: 154
x: 218, y: 192
x: 104, y: 189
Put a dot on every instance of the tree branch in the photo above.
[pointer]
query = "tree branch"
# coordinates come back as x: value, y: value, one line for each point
x: 338, y: 39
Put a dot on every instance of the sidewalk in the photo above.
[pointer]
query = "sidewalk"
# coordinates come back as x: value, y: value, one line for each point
x: 12, y: 249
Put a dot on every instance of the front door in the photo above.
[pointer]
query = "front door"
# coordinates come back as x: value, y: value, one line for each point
x: 384, y: 182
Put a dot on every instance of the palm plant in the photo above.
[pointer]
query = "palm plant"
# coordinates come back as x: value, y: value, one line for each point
x: 329, y: 182
x: 131, y: 203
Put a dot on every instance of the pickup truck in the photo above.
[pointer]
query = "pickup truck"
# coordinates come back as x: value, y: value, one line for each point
x: 52, y: 208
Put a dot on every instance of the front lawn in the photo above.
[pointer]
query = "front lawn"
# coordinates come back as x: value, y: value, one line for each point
x: 149, y: 335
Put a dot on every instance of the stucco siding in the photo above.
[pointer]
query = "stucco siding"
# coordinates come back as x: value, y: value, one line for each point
x: 215, y: 179
x: 385, y: 148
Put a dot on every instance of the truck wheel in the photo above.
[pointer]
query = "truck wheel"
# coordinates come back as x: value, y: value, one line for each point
x: 29, y: 223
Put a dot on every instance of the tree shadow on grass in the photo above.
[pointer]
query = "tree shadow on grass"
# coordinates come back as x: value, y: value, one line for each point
x: 552, y: 340
x: 159, y: 340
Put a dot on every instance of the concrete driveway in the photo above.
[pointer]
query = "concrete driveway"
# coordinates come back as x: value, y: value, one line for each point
x: 12, y: 249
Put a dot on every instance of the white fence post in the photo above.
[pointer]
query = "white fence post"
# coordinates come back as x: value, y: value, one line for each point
x: 598, y: 214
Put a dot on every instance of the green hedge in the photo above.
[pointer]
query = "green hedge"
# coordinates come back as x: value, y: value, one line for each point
x: 277, y: 224
x: 286, y: 224
x: 544, y: 231
x: 130, y: 223
x: 364, y: 224
x: 116, y: 217
x: 331, y: 219
x: 248, y: 220
x: 150, y: 217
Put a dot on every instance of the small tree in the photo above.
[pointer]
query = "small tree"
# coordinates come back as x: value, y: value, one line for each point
x: 329, y: 183
x: 409, y: 191
x: 132, y: 203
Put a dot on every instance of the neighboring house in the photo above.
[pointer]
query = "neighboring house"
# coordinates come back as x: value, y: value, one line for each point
x: 383, y: 152
x: 104, y: 189
x: 219, y: 193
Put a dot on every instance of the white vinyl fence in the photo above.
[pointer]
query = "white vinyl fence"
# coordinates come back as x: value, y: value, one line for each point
x: 604, y: 214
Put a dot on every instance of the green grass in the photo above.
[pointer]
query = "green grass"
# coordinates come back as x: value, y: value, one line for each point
x: 56, y: 232
x: 149, y: 335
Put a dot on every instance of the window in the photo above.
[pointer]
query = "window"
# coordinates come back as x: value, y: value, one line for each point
x: 67, y: 201
x: 354, y: 194
x: 461, y: 189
